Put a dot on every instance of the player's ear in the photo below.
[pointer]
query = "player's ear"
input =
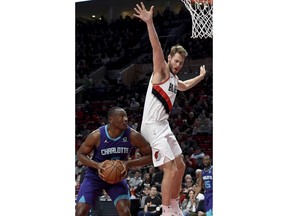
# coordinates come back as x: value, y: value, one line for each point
x: 169, y: 57
x: 110, y: 119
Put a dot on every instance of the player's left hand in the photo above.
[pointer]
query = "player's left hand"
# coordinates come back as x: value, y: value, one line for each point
x: 202, y: 70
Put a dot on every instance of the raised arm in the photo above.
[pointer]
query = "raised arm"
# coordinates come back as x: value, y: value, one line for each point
x: 158, y: 56
x: 139, y: 141
x: 187, y: 84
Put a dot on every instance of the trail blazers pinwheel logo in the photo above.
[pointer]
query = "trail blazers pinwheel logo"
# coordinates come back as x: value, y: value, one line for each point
x: 157, y: 156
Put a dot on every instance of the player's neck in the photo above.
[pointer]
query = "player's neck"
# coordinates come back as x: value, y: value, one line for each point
x: 170, y: 69
x: 208, y: 167
x: 113, y: 132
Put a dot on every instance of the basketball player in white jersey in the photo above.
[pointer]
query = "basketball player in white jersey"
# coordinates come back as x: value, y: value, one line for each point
x: 160, y: 97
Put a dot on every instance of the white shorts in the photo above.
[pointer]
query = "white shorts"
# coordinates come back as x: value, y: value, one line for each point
x: 163, y: 142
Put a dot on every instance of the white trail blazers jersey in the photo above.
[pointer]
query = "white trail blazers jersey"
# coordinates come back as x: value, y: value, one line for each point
x: 159, y: 100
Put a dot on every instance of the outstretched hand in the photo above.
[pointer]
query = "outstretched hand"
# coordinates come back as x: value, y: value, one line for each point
x: 202, y: 70
x: 142, y: 13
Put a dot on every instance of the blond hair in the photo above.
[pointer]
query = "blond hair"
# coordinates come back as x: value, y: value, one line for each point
x: 178, y: 49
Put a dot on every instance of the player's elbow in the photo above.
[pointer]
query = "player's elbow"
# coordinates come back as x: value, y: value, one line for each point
x: 183, y: 87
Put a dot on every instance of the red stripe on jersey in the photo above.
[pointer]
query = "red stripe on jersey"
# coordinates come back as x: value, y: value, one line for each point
x: 163, y: 97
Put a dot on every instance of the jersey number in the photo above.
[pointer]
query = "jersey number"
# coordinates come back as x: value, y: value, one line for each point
x: 207, y: 184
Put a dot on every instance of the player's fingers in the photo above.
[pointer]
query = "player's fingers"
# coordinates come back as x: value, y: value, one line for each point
x: 138, y: 7
x: 124, y: 168
x: 123, y: 171
x: 136, y: 10
x: 124, y: 174
x: 100, y: 174
x: 102, y: 164
x: 102, y: 177
x: 143, y: 6
x: 151, y: 9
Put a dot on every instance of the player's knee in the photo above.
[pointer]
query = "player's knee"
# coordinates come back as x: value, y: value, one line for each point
x: 123, y: 207
x: 82, y: 210
x: 200, y: 213
x: 182, y: 165
x: 124, y: 211
x: 170, y: 171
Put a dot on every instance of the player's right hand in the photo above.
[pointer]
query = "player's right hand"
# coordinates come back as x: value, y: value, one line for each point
x: 124, y: 172
x: 100, y: 168
x: 142, y: 13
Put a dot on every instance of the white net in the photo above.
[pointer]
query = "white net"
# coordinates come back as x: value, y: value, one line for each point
x: 202, y: 17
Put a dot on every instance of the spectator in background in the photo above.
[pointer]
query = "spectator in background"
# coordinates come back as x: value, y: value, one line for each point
x: 176, y: 110
x: 145, y: 193
x: 191, y: 206
x: 79, y: 114
x: 185, y: 148
x: 184, y: 128
x: 158, y: 177
x: 187, y: 178
x: 135, y: 182
x: 120, y: 101
x: 198, y: 155
x: 152, y: 204
x: 85, y: 131
x: 88, y: 110
x: 78, y: 168
x: 191, y: 118
x: 134, y: 105
x: 136, y: 155
x: 135, y: 126
x: 200, y: 195
x: 152, y: 172
x: 147, y: 182
x: 189, y: 163
x: 188, y: 183
x: 205, y: 124
x: 178, y: 121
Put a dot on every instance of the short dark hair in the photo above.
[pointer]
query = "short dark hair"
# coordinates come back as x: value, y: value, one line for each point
x: 112, y: 110
x: 155, y: 186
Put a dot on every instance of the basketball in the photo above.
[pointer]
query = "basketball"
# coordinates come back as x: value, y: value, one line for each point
x: 112, y: 173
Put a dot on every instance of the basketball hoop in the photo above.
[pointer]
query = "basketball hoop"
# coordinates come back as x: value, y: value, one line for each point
x: 202, y: 17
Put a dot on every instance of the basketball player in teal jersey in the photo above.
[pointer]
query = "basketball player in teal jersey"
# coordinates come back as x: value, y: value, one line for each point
x: 109, y: 142
x: 206, y: 182
x: 160, y: 96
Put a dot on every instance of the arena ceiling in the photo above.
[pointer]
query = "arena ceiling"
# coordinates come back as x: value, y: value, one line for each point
x: 112, y: 9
